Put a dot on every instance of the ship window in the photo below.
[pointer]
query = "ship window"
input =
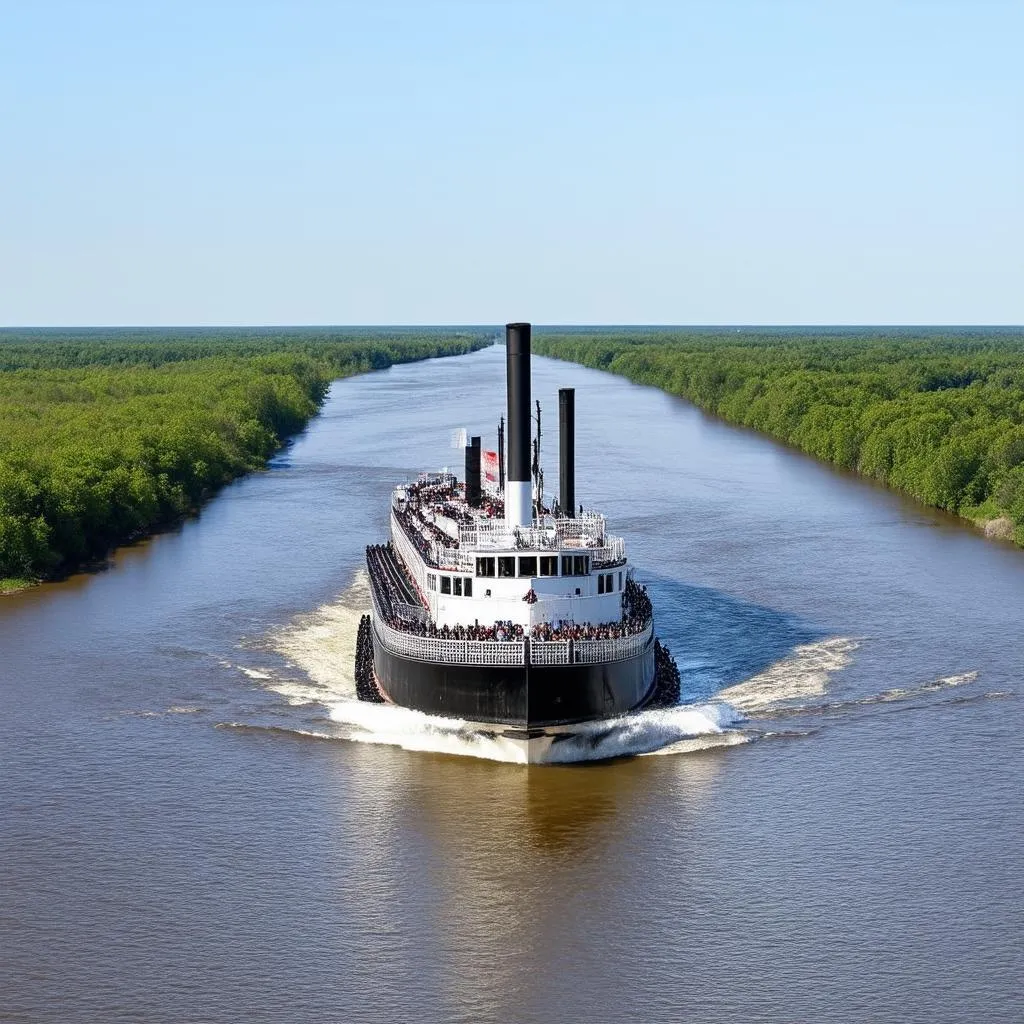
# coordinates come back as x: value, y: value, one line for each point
x: 485, y: 567
x: 457, y: 582
x: 467, y: 586
x: 579, y: 565
x: 610, y: 585
x: 431, y: 581
x: 577, y: 591
x: 600, y: 584
x: 528, y: 565
x: 506, y: 567
x: 446, y: 584
x: 620, y: 581
x: 549, y: 565
x: 566, y: 565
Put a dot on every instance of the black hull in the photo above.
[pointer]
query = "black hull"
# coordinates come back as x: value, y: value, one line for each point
x: 518, y: 696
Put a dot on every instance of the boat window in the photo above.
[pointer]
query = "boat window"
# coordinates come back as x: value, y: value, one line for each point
x: 579, y: 565
x: 457, y: 583
x: 467, y: 586
x: 566, y: 565
x: 485, y: 567
x: 600, y: 584
x: 431, y: 581
x: 506, y: 566
x: 577, y: 591
x: 528, y: 565
x: 446, y: 584
x: 549, y: 565
x: 620, y: 581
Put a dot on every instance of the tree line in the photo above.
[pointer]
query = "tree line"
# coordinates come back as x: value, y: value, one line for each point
x: 936, y: 415
x: 105, y: 436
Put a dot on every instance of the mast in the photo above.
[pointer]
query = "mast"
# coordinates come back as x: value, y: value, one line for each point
x: 538, y: 473
x: 501, y: 456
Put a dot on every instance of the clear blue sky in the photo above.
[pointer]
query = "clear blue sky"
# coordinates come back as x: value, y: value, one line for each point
x: 563, y: 162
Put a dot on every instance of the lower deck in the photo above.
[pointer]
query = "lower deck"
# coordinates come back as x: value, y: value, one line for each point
x: 523, y: 696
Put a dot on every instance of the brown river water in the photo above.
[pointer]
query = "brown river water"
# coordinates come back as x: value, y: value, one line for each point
x: 198, y: 823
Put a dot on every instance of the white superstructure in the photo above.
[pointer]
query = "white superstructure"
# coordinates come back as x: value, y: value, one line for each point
x: 472, y: 566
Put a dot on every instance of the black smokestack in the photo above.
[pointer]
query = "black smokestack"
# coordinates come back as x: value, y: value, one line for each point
x: 567, y: 451
x: 517, y: 356
x: 473, y: 493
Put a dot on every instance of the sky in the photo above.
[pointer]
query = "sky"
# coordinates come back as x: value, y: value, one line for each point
x: 387, y: 162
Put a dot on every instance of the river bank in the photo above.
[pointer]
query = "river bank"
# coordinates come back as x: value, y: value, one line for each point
x: 935, y: 414
x: 110, y: 437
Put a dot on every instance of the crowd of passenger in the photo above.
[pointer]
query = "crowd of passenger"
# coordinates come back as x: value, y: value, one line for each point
x: 587, y: 631
x: 422, y: 533
x: 391, y: 591
x: 366, y: 685
x: 445, y: 498
x: 635, y: 602
x: 499, y: 631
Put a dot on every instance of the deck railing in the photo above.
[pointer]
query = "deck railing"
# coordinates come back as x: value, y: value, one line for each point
x: 409, y: 555
x: 456, y: 652
x: 508, y: 652
x: 587, y: 652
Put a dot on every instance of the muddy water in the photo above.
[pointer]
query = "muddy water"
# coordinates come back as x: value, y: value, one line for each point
x: 197, y: 823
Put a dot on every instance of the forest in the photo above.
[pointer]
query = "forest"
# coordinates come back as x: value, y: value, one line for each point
x: 936, y: 414
x: 106, y: 436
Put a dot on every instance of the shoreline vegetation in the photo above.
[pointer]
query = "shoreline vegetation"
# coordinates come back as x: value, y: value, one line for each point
x: 109, y: 435
x: 935, y: 413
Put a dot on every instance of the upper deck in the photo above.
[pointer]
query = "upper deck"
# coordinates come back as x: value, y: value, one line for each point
x: 449, y: 533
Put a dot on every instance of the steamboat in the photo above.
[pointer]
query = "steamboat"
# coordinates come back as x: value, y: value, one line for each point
x: 493, y: 609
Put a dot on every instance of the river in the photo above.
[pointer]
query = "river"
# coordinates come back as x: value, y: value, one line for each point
x: 198, y: 824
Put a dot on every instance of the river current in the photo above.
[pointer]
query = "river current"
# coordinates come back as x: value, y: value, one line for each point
x: 199, y: 823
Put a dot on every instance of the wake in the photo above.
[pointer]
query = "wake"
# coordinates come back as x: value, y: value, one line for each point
x: 319, y: 652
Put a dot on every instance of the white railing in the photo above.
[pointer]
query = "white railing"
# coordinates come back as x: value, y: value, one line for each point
x: 613, y: 552
x: 456, y: 652
x: 452, y: 558
x: 587, y: 652
x: 549, y: 652
x: 410, y: 612
x: 589, y: 526
x: 498, y: 537
x: 508, y: 652
x: 411, y: 558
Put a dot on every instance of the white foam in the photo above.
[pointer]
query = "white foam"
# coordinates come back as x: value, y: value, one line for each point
x: 893, y: 696
x: 942, y: 683
x: 253, y: 673
x: 645, y: 732
x: 322, y: 644
x: 804, y: 673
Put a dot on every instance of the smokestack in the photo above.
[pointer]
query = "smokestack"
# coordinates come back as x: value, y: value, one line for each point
x: 518, y: 490
x: 567, y: 451
x: 473, y: 492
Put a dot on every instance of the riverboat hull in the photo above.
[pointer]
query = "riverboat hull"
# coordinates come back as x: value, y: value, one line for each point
x: 523, y: 696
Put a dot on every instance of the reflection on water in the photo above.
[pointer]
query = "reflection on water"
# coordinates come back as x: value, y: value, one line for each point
x: 512, y: 857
